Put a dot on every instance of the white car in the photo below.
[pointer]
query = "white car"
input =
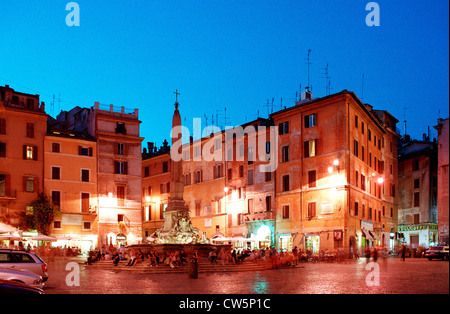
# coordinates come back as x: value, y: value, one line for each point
x: 22, y: 276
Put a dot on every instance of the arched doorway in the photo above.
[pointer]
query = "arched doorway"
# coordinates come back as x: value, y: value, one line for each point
x: 263, y: 236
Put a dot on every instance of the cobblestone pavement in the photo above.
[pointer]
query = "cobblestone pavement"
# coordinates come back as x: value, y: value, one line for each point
x: 413, y: 276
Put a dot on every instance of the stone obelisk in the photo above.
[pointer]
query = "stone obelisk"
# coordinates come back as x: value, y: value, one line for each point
x: 177, y: 227
x: 176, y: 203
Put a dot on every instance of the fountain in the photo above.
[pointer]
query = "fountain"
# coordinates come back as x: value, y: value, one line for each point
x: 177, y: 232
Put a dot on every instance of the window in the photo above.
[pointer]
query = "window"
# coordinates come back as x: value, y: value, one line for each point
x: 30, y: 130
x: 310, y: 148
x: 120, y: 217
x: 2, y: 149
x: 146, y: 171
x: 356, y: 178
x: 268, y: 203
x: 268, y: 176
x: 241, y: 171
x: 198, y: 176
x: 84, y: 175
x: 56, y: 148
x: 57, y: 224
x: 355, y: 148
x: 285, y: 212
x: 85, y: 203
x: 362, y: 153
x: 370, y: 212
x: 5, y: 188
x: 250, y: 205
x: 120, y: 195
x: 197, y: 209
x: 416, y: 199
x: 283, y: 128
x: 121, y: 167
x: 2, y: 126
x: 29, y: 184
x: 416, y: 164
x: 392, y: 190
x: 356, y: 121
x: 120, y: 128
x: 416, y: 219
x: 120, y: 149
x: 312, y: 210
x: 285, y: 152
x: 148, y: 212
x: 29, y: 152
x: 362, y: 127
x: 286, y: 183
x: 56, y: 198
x: 363, y: 182
x: 165, y: 166
x: 312, y: 179
x: 84, y: 151
x: 356, y: 208
x: 56, y: 173
x: 86, y: 225
x: 310, y: 121
x: 416, y: 183
x: 250, y: 177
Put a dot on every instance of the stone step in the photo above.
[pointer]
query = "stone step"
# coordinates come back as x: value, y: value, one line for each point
x: 203, y: 267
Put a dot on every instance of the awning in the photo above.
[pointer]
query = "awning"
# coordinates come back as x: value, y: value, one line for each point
x: 374, y: 235
x: 366, y: 234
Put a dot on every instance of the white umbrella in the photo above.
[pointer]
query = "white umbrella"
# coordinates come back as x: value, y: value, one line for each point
x: 150, y: 239
x: 218, y: 239
x: 6, y: 228
x: 10, y: 237
x: 43, y: 238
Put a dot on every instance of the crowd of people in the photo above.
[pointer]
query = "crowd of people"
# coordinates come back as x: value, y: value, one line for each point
x: 44, y: 250
x: 273, y: 257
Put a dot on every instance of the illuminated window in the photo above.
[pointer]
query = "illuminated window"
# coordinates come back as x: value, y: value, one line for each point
x: 29, y: 152
x: 310, y: 148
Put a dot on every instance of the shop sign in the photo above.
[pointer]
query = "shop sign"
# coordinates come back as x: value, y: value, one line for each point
x: 412, y: 228
x: 121, y: 237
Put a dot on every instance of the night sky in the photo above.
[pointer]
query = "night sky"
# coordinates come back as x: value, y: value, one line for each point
x: 233, y: 54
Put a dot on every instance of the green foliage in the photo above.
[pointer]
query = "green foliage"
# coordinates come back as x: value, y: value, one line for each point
x: 43, y: 215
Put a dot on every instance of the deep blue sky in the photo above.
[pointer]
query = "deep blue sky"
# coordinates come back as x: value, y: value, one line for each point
x: 232, y: 54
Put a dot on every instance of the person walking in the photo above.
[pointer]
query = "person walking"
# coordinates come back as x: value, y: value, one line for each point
x: 403, y: 252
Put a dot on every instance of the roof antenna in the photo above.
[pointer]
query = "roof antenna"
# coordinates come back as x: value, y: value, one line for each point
x: 327, y: 80
x: 404, y: 118
x: 308, y: 63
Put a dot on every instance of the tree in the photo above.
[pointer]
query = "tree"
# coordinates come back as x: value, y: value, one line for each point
x: 43, y: 215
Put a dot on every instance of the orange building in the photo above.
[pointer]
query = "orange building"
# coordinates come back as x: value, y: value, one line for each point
x: 118, y: 168
x: 334, y: 185
x: 23, y: 125
x: 332, y: 188
x: 70, y: 180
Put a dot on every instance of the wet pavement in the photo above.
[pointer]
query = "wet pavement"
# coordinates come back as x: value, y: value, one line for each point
x: 387, y: 276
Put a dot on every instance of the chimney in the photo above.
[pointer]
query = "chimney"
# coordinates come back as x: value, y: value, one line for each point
x: 150, y: 146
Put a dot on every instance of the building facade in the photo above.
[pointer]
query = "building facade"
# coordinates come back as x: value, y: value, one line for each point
x: 334, y: 185
x: 417, y: 199
x: 23, y: 126
x: 443, y: 176
x: 70, y: 180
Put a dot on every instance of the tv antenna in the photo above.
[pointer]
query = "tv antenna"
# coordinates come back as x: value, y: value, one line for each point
x: 404, y: 117
x: 362, y: 88
x: 327, y: 81
x: 308, y: 63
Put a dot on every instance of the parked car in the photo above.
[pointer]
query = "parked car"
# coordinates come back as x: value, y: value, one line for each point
x: 22, y: 276
x: 23, y: 260
x: 12, y: 287
x: 437, y: 252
